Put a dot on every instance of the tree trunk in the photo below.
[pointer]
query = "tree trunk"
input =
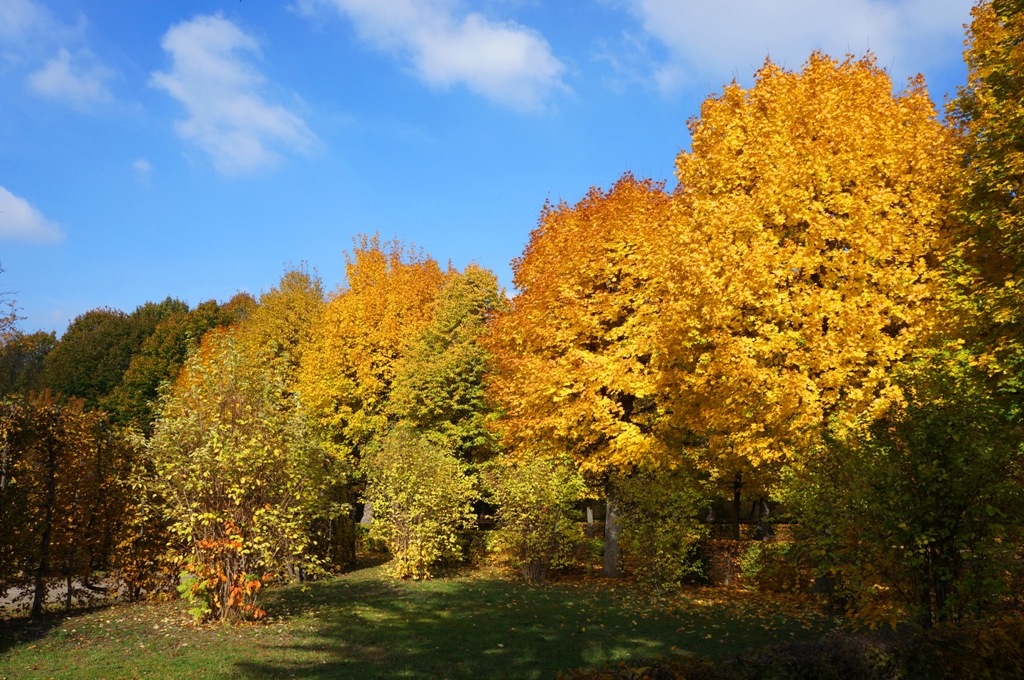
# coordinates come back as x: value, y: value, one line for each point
x: 367, y: 517
x: 612, y: 530
x: 736, y: 509
x: 3, y: 476
x: 590, y: 520
x: 51, y: 500
x: 764, y: 530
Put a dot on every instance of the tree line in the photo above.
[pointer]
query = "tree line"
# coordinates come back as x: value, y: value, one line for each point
x: 824, y: 313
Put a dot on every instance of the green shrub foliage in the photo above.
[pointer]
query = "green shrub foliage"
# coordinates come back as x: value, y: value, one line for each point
x: 422, y: 498
x: 660, y: 530
x: 240, y: 479
x: 926, y: 505
x: 537, y: 524
x: 776, y: 566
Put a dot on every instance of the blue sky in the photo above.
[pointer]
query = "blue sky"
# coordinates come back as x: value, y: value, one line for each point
x: 193, y: 149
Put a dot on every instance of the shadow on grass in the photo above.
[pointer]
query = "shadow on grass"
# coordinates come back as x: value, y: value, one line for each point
x: 20, y: 629
x: 369, y: 627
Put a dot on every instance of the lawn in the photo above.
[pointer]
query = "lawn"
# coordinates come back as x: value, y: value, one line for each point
x: 364, y: 625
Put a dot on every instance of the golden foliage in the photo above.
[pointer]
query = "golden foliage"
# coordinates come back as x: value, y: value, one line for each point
x: 573, y: 358
x: 802, y: 255
x: 282, y: 324
x: 989, y: 116
x: 366, y: 328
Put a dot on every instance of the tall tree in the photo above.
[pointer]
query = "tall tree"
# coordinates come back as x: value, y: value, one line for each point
x: 575, y: 370
x: 22, y: 359
x: 8, y: 319
x: 439, y: 387
x: 97, y: 349
x: 988, y: 114
x: 573, y: 365
x: 162, y: 354
x: 802, y: 258
x: 366, y: 329
x: 283, y: 321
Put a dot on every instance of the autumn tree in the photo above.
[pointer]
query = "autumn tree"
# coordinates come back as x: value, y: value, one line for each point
x: 61, y: 502
x: 283, y: 321
x: 366, y: 329
x: 575, y: 358
x: 241, y: 478
x: 988, y: 117
x: 97, y: 349
x: 162, y: 353
x: 22, y: 359
x: 439, y: 386
x: 802, y: 258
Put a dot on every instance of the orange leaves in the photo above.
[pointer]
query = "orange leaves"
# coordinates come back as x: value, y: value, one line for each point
x: 770, y: 294
x: 573, y: 357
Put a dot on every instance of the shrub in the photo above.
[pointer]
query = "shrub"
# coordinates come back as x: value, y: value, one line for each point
x: 660, y: 531
x: 421, y: 499
x: 776, y: 566
x: 240, y: 479
x: 920, y: 512
x: 536, y: 527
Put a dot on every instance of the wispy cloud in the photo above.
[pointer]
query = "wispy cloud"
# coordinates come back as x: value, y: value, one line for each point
x: 19, y: 221
x: 728, y: 37
x: 80, y: 79
x: 142, y: 167
x: 227, y: 115
x: 508, y: 63
x: 61, y: 65
x: 21, y: 18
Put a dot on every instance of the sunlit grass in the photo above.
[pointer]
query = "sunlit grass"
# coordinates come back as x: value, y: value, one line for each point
x: 363, y: 625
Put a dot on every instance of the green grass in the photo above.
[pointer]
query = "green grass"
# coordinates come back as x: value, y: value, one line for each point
x: 364, y: 625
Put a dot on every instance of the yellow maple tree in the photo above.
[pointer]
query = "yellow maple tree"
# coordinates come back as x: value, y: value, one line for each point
x: 354, y: 351
x: 573, y: 366
x: 802, y: 256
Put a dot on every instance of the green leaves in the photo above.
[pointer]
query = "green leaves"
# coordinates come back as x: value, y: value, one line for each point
x: 925, y: 508
x: 537, y: 527
x: 241, y: 478
x: 439, y: 387
x: 421, y: 499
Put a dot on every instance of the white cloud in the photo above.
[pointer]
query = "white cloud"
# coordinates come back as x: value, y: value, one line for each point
x: 29, y: 36
x: 19, y: 221
x: 19, y: 18
x: 228, y: 118
x: 142, y: 167
x: 724, y: 38
x: 77, y: 79
x: 503, y: 61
